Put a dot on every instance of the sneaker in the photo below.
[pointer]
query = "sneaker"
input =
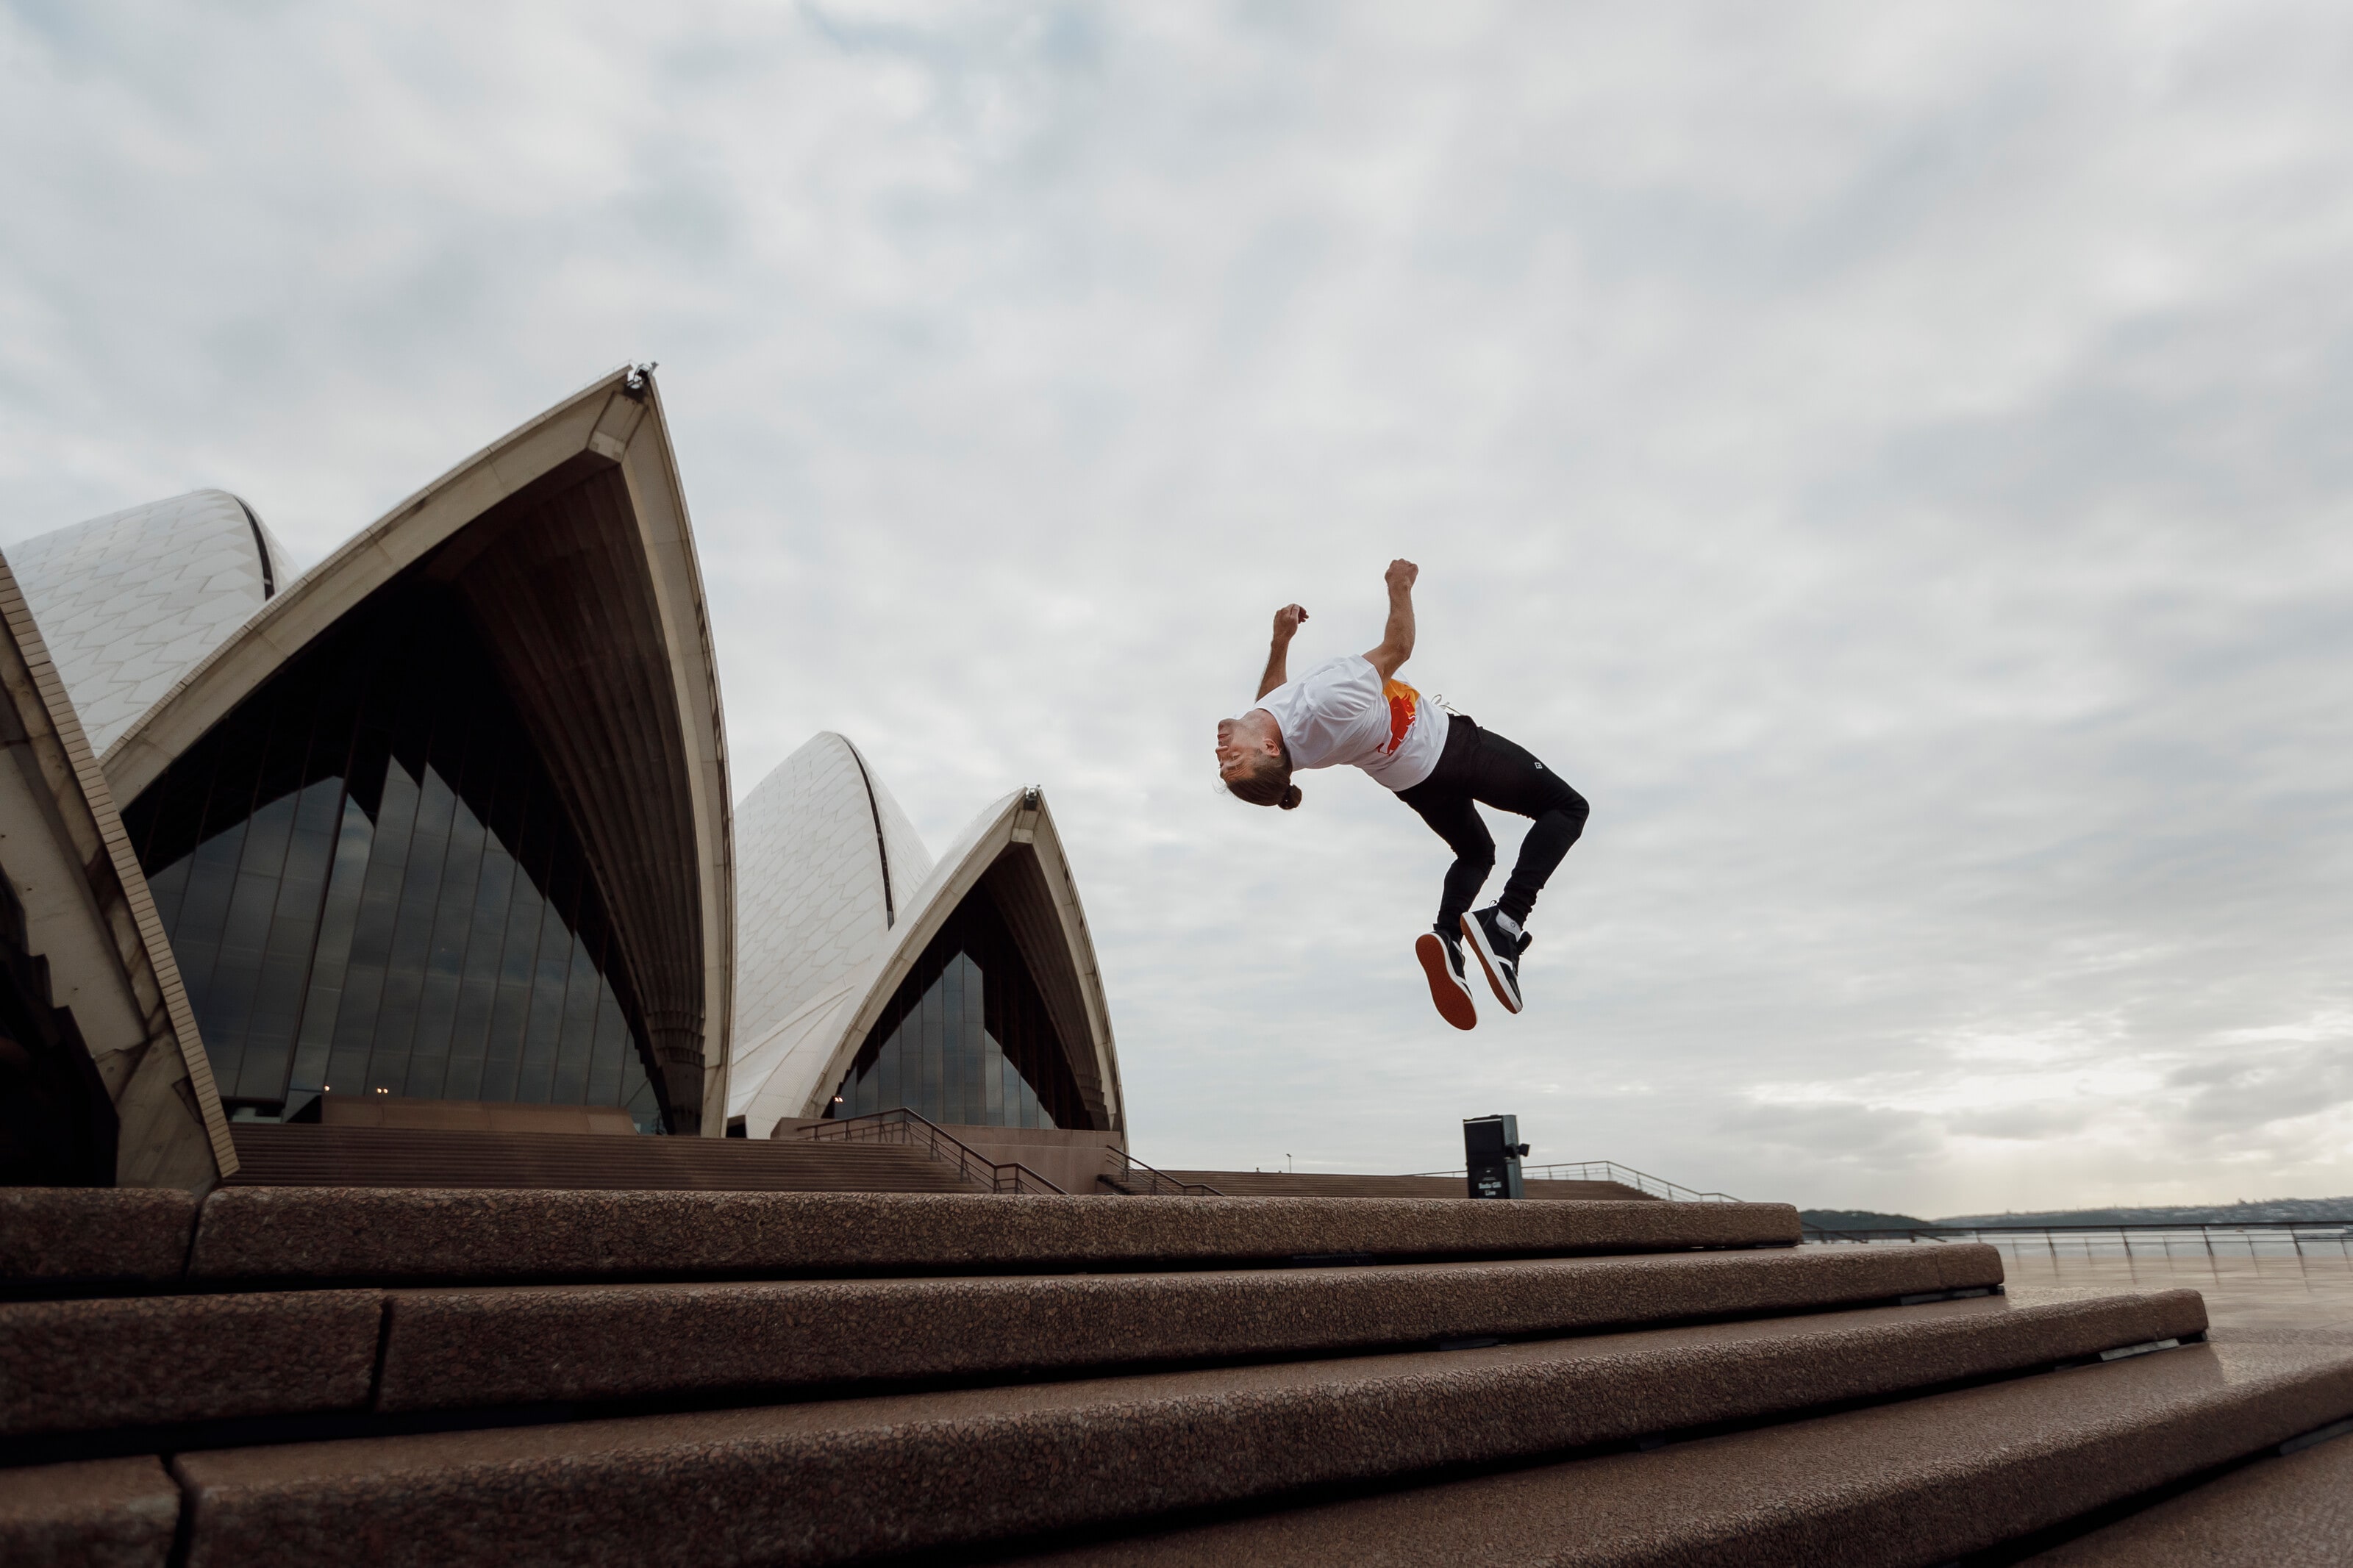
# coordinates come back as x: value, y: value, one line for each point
x: 1450, y: 981
x: 1499, y: 955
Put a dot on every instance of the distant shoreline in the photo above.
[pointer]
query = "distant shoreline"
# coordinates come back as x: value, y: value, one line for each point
x: 2270, y: 1209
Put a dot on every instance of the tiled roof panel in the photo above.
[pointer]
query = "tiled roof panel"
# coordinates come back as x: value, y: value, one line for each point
x: 131, y: 602
x: 810, y: 907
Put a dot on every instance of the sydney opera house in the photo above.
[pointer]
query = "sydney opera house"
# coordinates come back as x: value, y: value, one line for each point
x: 437, y: 835
x: 439, y: 1125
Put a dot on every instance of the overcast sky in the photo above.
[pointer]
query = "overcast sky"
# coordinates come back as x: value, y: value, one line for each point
x: 1894, y: 459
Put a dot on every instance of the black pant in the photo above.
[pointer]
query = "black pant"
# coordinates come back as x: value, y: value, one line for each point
x: 1481, y: 765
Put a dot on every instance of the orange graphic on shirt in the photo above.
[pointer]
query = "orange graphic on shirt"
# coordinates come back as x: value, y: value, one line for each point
x: 1403, y: 700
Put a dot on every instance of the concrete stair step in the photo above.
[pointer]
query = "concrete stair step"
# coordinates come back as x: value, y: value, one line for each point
x: 1318, y: 1184
x: 321, y: 1156
x: 55, y: 1238
x: 391, y: 1235
x: 445, y: 1350
x: 100, y: 1514
x: 51, y: 1237
x: 2281, y: 1511
x: 81, y: 1366
x: 1918, y: 1482
x: 834, y: 1481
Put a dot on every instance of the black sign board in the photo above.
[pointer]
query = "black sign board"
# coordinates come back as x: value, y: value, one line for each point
x: 1491, y: 1148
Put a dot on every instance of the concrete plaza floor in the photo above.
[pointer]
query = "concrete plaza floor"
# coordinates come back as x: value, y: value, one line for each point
x: 2270, y: 1288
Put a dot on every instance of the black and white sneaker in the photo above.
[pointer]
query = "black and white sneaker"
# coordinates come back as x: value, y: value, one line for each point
x: 1499, y: 955
x: 1449, y: 979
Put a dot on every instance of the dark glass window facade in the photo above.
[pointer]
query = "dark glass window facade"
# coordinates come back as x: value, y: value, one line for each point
x: 370, y: 884
x: 966, y: 1041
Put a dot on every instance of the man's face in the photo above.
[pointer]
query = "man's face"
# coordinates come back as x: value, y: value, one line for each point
x: 1239, y: 741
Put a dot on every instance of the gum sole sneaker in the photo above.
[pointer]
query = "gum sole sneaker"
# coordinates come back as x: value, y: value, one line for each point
x: 1450, y: 988
x: 1498, y: 956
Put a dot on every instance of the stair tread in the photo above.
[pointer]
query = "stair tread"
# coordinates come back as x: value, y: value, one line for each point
x: 994, y: 1462
x: 2291, y: 1513
x: 302, y: 1155
x: 94, y: 1233
x: 1318, y: 1183
x: 137, y: 1361
x: 93, y: 1512
x: 396, y: 1234
x: 446, y: 1349
x: 81, y: 1366
x: 1920, y: 1482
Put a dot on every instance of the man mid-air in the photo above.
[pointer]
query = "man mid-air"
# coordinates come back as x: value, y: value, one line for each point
x: 1354, y: 711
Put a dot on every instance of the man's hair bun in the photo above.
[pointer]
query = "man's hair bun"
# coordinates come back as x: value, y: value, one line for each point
x: 1265, y: 780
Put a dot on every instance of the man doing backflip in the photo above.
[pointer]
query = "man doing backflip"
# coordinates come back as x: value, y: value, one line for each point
x: 1355, y: 710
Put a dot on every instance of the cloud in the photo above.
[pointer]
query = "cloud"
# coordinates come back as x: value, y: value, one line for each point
x: 1893, y: 463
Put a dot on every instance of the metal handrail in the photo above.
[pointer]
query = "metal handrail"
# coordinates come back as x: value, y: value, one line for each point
x: 1610, y: 1170
x: 913, y: 1127
x: 2124, y: 1230
x: 1158, y: 1183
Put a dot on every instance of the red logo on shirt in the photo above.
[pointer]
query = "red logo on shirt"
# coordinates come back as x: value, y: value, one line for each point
x: 1403, y: 700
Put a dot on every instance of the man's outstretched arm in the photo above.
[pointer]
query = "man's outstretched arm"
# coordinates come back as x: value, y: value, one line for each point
x: 1278, y: 655
x: 1396, y: 638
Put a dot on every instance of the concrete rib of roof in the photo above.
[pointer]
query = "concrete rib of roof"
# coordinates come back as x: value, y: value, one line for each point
x: 131, y: 601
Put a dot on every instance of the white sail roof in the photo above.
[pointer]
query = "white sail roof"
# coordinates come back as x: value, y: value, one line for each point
x: 827, y: 863
x: 784, y: 1067
x: 132, y: 601
x: 584, y: 585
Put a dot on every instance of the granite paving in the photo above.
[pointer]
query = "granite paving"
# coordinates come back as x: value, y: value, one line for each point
x: 2271, y: 1295
x: 1905, y: 1485
x: 2291, y: 1513
x: 451, y: 1349
x: 389, y: 1235
x: 81, y: 1366
x: 103, y: 1513
x: 829, y: 1482
x: 64, y: 1234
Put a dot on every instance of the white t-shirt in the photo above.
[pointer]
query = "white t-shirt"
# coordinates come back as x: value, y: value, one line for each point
x: 1342, y: 713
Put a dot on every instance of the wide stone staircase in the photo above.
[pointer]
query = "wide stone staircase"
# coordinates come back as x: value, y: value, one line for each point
x: 433, y: 1376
